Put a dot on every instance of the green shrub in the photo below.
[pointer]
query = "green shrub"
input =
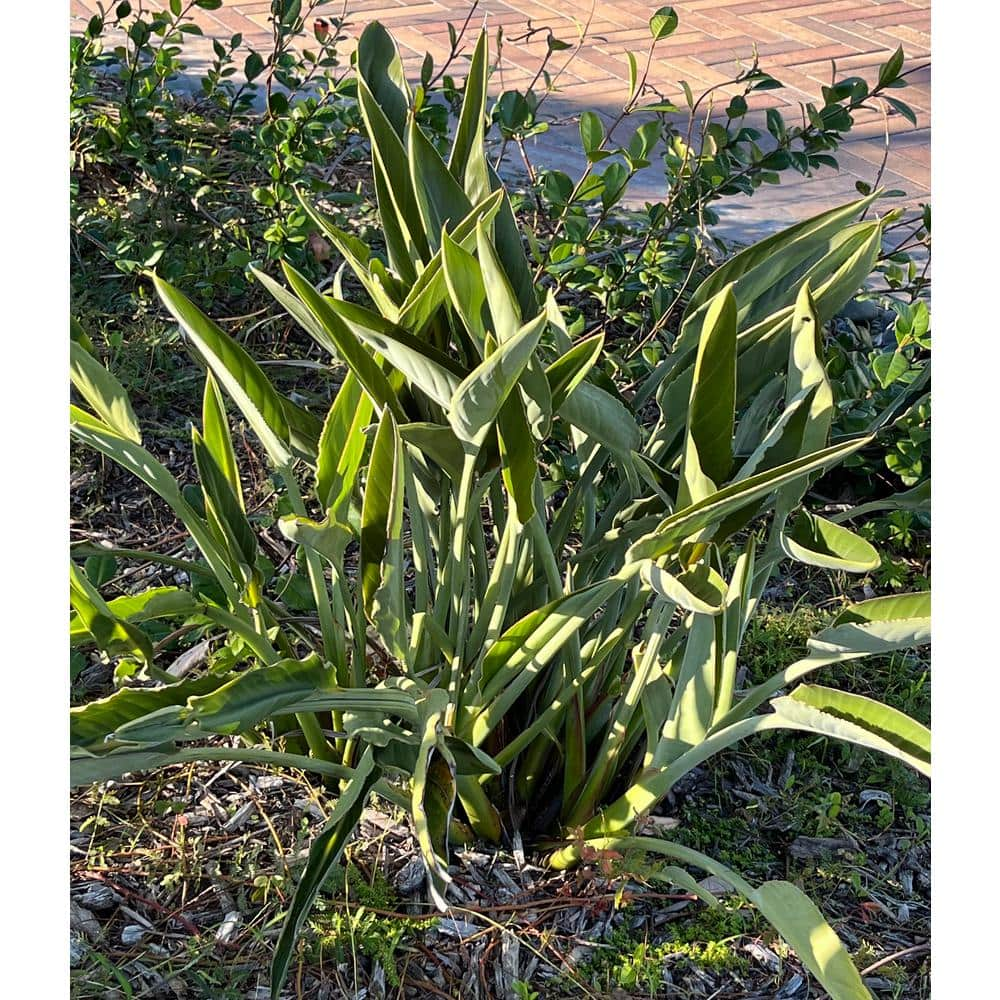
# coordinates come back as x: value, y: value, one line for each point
x: 195, y: 183
x: 525, y: 606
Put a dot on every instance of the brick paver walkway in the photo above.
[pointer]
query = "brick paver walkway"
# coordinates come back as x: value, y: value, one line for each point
x: 796, y: 39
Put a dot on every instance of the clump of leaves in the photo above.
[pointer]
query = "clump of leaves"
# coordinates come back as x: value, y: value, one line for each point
x: 634, y: 269
x: 340, y: 930
x: 628, y: 960
x: 494, y: 651
x: 192, y: 182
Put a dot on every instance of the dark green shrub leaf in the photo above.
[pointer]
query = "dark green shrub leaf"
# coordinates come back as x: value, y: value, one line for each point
x: 663, y: 23
x: 591, y: 132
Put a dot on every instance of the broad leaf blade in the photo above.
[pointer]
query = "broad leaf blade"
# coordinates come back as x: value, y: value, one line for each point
x: 602, y: 417
x: 236, y: 371
x: 798, y: 920
x: 685, y: 523
x: 467, y: 161
x: 381, y: 68
x: 157, y: 602
x: 344, y: 343
x: 215, y: 427
x: 787, y: 908
x: 477, y: 400
x: 817, y: 542
x: 700, y: 589
x: 375, y: 510
x: 221, y: 501
x: 881, y: 625
x: 440, y: 199
x: 568, y: 371
x: 859, y: 720
x: 342, y: 447
x: 103, y: 392
x: 708, y: 450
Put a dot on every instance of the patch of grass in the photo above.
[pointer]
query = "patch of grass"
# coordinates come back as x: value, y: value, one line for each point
x: 717, y: 923
x: 340, y: 932
x: 734, y: 839
x: 628, y: 959
x: 775, y: 637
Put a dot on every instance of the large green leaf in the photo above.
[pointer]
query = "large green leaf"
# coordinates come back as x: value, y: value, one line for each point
x: 433, y: 793
x: 685, y: 523
x: 218, y: 440
x: 822, y: 711
x: 881, y: 625
x: 805, y: 362
x: 384, y: 100
x: 807, y: 374
x: 103, y: 392
x: 700, y: 589
x: 708, y: 449
x: 429, y: 291
x: 798, y: 920
x: 237, y: 703
x: 91, y: 725
x: 467, y: 161
x: 402, y: 225
x: 493, y: 606
x: 111, y: 633
x: 157, y: 602
x: 430, y: 370
x: 834, y: 274
x: 755, y: 419
x: 507, y: 240
x: 384, y: 472
x: 343, y: 342
x: 569, y: 370
x: 601, y: 417
x: 329, y: 537
x: 304, y: 429
x: 440, y: 199
x: 236, y: 371
x: 464, y: 280
x: 783, y: 441
x: 135, y: 459
x: 695, y: 687
x: 503, y: 305
x: 760, y: 269
x: 388, y: 602
x: 518, y: 462
x: 85, y: 550
x: 299, y: 311
x: 857, y: 719
x: 342, y: 447
x: 477, y: 400
x: 918, y: 499
x: 817, y: 542
x: 438, y: 443
x: 739, y: 604
x: 223, y: 506
x: 86, y: 768
x: 381, y: 68
x: 876, y: 627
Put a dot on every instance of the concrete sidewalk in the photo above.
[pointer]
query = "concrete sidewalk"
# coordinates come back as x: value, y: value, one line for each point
x: 797, y: 41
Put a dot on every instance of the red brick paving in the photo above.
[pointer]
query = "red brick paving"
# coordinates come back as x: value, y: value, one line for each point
x: 797, y: 39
